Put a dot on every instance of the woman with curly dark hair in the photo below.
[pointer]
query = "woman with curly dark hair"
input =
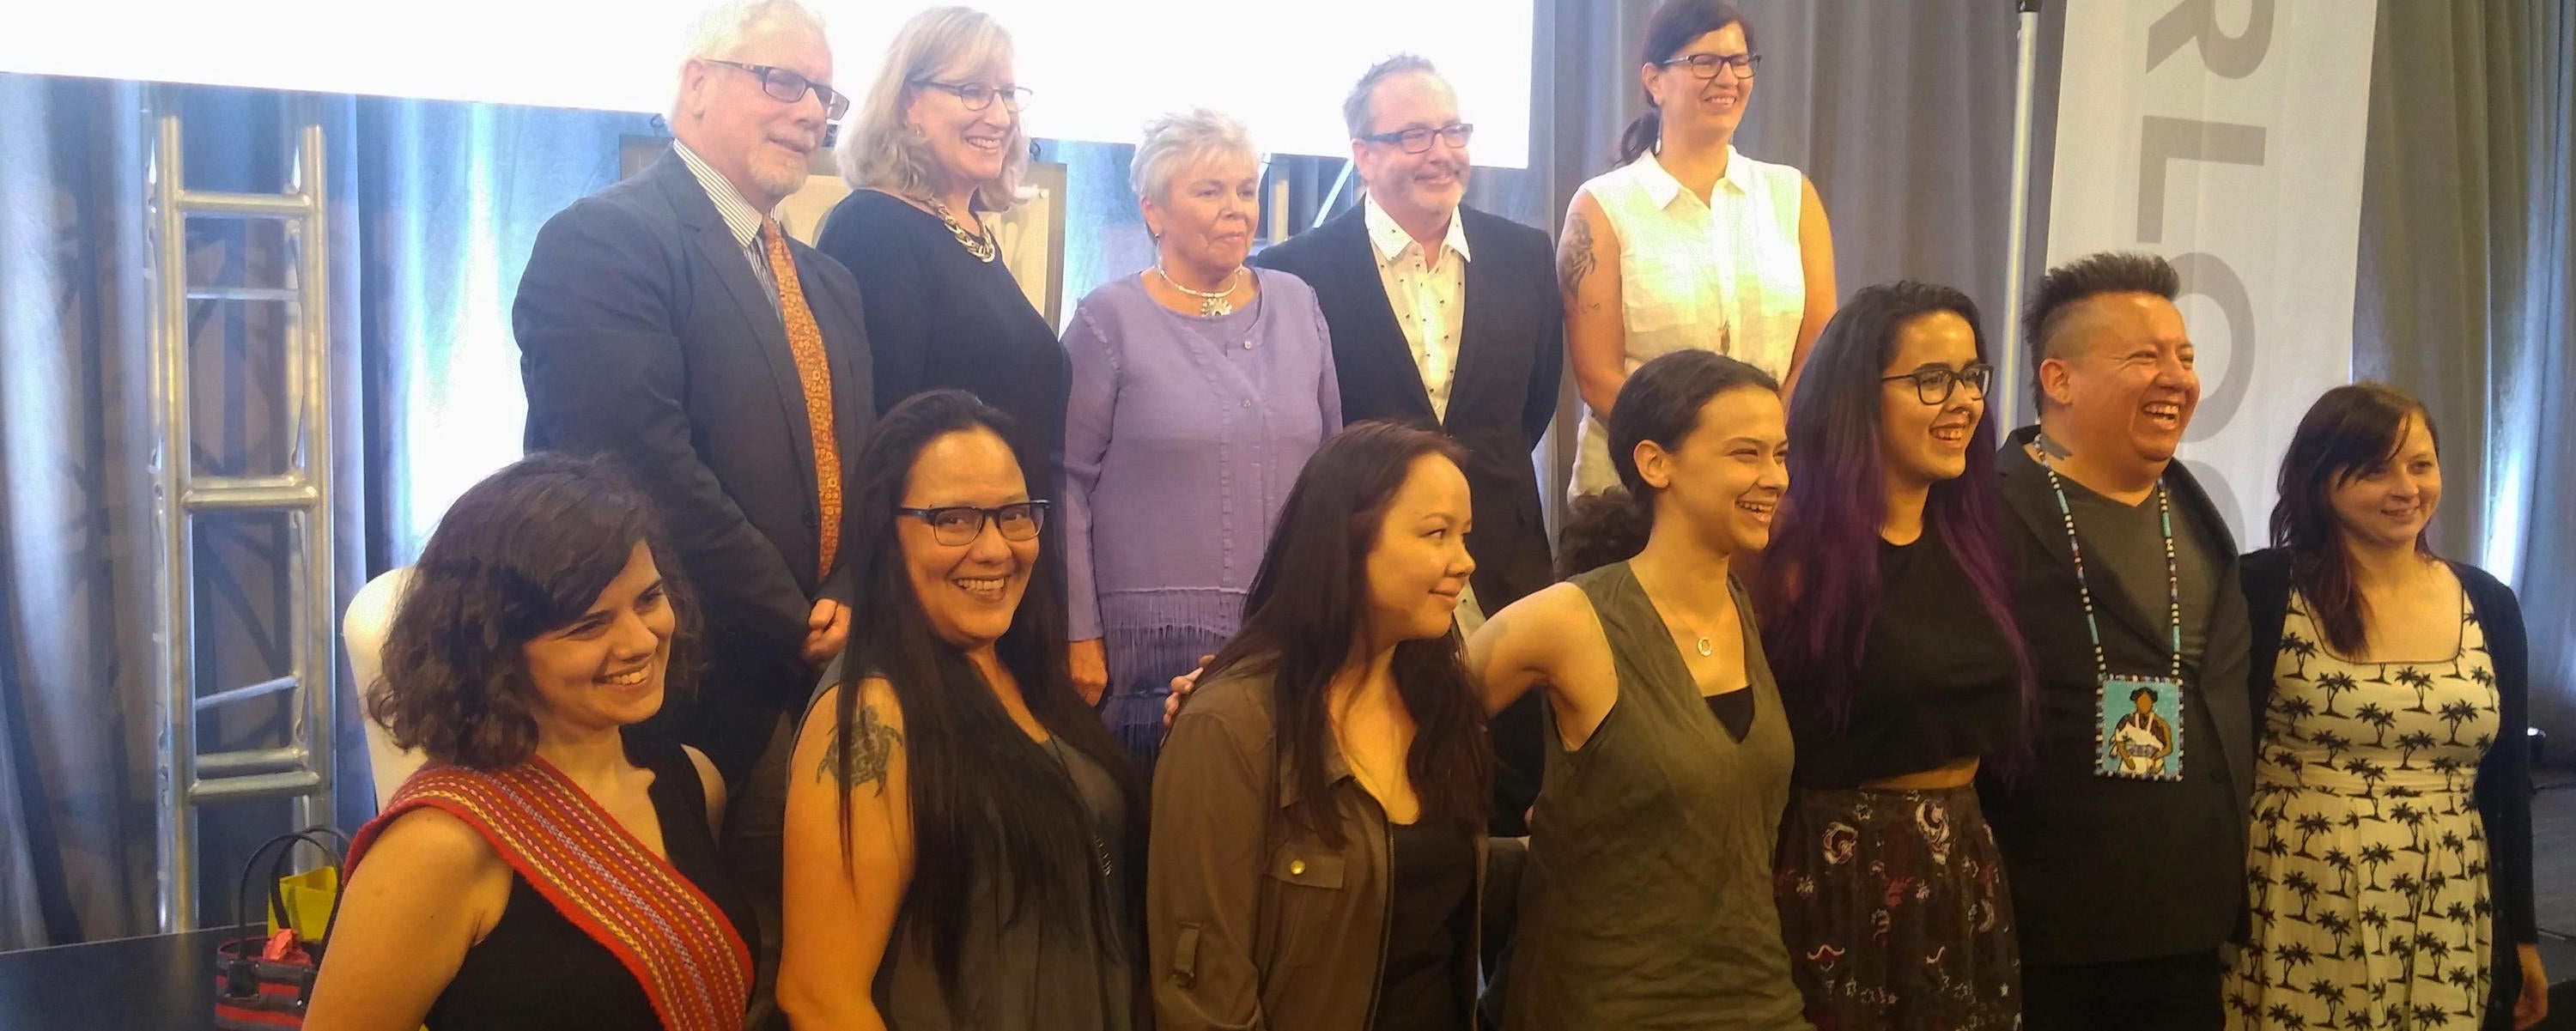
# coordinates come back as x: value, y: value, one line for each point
x: 555, y: 864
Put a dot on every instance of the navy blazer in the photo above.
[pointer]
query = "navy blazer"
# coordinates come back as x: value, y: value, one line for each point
x: 645, y: 336
x: 2503, y: 788
x: 1502, y: 397
x: 2094, y: 879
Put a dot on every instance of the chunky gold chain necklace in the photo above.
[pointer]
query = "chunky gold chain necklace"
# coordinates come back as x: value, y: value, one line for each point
x: 978, y: 243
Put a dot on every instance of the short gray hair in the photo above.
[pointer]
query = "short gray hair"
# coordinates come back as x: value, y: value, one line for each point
x: 719, y: 31
x: 1355, y: 109
x: 1177, y: 140
x: 880, y: 151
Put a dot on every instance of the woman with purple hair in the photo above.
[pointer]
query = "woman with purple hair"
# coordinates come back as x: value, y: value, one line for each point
x: 1891, y: 892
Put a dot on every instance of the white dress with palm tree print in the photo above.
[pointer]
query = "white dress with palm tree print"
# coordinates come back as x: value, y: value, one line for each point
x: 2368, y: 874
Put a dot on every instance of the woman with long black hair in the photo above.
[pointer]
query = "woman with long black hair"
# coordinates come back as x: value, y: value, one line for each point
x: 1327, y: 787
x: 1891, y: 890
x: 959, y: 843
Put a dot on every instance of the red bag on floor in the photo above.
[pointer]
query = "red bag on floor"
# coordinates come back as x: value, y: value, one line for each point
x: 264, y: 982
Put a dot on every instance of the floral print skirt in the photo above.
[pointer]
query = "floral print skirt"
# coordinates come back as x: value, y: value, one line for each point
x: 1896, y: 911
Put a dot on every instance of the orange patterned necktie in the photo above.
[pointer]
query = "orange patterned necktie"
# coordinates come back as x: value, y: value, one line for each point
x: 805, y: 341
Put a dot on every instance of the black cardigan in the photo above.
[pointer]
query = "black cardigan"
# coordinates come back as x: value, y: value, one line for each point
x: 2503, y: 792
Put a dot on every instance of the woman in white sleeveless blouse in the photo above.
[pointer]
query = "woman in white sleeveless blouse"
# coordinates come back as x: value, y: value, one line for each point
x: 1688, y: 244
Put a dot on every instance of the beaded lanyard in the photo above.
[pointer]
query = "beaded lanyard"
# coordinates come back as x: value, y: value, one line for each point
x: 2173, y: 577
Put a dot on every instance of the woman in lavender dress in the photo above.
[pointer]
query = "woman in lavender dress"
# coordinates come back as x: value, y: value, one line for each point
x: 1199, y: 388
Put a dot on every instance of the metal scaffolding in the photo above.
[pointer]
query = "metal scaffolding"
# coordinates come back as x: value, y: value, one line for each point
x: 299, y: 770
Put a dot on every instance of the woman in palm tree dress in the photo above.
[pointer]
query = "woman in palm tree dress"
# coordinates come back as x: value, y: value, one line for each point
x: 2390, y: 874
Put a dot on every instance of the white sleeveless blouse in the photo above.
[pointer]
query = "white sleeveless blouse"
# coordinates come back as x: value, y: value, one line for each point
x: 1723, y: 276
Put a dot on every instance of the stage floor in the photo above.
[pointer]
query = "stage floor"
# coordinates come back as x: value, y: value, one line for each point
x: 2553, y: 881
x: 2553, y: 851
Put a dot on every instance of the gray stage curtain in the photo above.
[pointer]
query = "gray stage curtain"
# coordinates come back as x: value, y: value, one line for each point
x: 2468, y: 296
x: 75, y: 574
x: 433, y: 209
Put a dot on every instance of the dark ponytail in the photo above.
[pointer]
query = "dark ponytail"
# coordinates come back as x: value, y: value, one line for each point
x: 1659, y: 402
x: 1643, y: 135
x: 1603, y: 528
x: 1674, y: 25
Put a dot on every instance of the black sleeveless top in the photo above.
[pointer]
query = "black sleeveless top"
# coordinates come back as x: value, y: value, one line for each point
x: 539, y: 972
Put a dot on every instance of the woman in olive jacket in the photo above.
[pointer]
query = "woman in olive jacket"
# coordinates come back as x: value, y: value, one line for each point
x: 1325, y: 787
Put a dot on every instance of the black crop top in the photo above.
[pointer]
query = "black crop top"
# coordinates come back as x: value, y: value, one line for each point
x: 1936, y: 682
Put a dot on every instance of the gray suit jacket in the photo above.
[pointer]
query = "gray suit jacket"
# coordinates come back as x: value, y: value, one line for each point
x: 645, y: 336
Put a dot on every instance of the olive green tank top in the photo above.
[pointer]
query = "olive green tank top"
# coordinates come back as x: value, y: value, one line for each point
x: 1647, y: 902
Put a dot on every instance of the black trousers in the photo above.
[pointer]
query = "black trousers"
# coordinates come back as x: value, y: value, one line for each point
x: 2171, y: 993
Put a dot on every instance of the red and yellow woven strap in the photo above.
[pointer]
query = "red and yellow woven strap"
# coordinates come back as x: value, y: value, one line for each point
x: 690, y: 960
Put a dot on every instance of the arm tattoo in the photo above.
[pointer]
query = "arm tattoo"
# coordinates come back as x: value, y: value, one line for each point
x: 1575, y: 259
x: 871, y: 747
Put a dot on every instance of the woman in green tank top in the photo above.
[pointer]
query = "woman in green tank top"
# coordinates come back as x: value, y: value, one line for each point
x: 1646, y: 899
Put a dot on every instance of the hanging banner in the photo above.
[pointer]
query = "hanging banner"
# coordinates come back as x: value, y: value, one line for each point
x: 2227, y: 136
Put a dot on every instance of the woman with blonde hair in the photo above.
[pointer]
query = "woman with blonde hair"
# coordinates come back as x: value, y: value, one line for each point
x: 935, y: 146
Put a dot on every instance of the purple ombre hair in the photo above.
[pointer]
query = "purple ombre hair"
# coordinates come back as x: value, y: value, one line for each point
x: 1818, y: 589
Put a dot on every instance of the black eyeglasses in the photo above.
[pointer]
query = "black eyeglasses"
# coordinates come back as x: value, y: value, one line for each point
x: 1935, y: 384
x: 1418, y: 141
x: 977, y: 96
x: 958, y: 525
x: 1706, y: 65
x: 790, y: 87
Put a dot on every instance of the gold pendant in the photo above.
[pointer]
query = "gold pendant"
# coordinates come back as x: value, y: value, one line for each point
x: 1212, y: 307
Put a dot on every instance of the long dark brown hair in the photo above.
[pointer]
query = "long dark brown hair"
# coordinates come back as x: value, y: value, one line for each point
x: 1673, y: 26
x: 986, y: 804
x: 1305, y: 613
x: 2350, y: 431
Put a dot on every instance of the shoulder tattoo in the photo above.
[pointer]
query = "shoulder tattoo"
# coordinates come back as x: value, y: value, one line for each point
x: 1575, y: 259
x: 870, y: 748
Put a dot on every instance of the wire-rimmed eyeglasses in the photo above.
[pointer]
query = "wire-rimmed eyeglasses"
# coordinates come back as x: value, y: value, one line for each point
x: 978, y: 96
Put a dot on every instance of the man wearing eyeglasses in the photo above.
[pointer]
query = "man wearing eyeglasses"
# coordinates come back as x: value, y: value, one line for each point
x: 667, y: 322
x: 1447, y: 318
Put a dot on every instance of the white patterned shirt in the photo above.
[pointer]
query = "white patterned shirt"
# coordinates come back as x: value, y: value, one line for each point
x: 1428, y: 293
x: 1429, y: 302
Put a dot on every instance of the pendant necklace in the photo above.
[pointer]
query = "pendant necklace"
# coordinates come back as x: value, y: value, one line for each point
x: 1705, y: 646
x: 1211, y: 305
